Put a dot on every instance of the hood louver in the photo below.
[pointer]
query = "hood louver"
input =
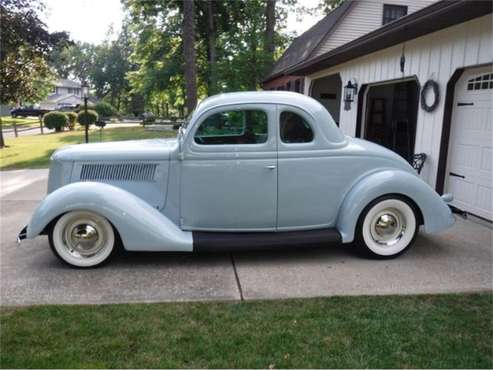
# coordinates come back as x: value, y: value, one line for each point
x: 118, y: 172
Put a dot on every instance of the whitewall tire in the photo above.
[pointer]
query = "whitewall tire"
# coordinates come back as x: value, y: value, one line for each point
x: 83, y: 239
x: 387, y: 227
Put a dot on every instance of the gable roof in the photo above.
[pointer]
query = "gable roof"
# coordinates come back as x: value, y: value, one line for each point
x: 432, y: 18
x: 303, y: 46
x: 63, y: 82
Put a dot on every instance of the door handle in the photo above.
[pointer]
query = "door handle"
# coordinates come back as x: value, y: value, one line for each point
x: 456, y: 175
x: 271, y: 167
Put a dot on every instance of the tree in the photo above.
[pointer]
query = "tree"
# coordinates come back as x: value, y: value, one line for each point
x: 188, y: 35
x: 230, y: 50
x: 326, y: 6
x: 212, y: 51
x: 270, y: 23
x: 25, y: 45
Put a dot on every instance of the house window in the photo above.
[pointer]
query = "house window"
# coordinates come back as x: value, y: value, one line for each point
x: 297, y: 85
x: 483, y: 82
x: 393, y: 12
x: 288, y: 86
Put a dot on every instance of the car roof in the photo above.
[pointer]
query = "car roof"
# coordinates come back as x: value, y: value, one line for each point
x: 321, y: 116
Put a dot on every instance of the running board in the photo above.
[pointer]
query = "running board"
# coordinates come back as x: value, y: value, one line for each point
x: 246, y: 241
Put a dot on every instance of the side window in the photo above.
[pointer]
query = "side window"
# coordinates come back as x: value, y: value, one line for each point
x: 294, y: 128
x: 233, y: 127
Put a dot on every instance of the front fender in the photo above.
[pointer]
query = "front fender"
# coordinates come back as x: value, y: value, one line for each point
x: 141, y: 227
x: 436, y: 214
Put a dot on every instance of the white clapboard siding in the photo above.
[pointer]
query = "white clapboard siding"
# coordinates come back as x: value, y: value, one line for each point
x: 363, y: 17
x: 434, y: 56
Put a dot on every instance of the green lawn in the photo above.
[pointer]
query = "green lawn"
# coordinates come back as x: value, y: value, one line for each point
x: 34, y: 151
x: 441, y: 331
x: 8, y: 122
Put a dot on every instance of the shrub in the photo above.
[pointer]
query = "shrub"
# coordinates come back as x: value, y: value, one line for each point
x: 55, y: 120
x: 105, y: 109
x: 100, y: 123
x: 148, y: 118
x: 72, y: 118
x: 87, y: 118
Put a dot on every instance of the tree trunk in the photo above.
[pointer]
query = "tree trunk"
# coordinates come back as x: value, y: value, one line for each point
x: 189, y: 55
x: 2, y: 142
x: 212, y: 52
x: 270, y: 23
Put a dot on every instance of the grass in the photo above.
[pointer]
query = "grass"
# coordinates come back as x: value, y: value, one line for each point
x: 8, y: 122
x: 34, y: 151
x: 441, y: 331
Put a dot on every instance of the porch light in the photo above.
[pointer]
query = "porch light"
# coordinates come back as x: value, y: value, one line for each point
x: 350, y: 91
x: 85, y: 90
x: 85, y: 95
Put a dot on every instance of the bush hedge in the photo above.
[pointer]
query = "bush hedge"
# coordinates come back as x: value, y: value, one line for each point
x: 105, y: 109
x: 55, y: 120
x: 88, y: 118
x: 72, y: 119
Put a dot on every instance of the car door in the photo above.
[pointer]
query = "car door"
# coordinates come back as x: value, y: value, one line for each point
x: 229, y: 170
x: 308, y: 190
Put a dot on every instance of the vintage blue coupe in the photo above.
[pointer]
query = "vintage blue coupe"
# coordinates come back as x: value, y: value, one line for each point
x: 248, y: 170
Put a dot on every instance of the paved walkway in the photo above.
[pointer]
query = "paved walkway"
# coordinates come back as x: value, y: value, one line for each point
x: 28, y: 131
x: 455, y: 261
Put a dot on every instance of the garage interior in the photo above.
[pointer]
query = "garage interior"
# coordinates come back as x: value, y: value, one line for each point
x: 391, y: 116
x: 327, y: 91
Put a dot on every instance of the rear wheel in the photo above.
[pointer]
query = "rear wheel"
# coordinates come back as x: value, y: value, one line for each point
x: 387, y: 227
x: 83, y: 239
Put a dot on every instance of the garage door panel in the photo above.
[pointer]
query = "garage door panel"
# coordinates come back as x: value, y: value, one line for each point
x: 487, y: 160
x: 463, y: 190
x: 485, y: 198
x: 467, y: 156
x: 470, y: 160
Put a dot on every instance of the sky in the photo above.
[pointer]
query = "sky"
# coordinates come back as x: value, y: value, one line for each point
x: 89, y: 20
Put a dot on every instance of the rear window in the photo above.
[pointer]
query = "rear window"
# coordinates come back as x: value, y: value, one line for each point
x: 294, y: 128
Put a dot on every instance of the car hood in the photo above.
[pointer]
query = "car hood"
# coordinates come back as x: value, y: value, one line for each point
x: 152, y: 149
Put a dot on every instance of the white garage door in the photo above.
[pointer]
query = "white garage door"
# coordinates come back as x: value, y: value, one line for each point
x: 470, y: 159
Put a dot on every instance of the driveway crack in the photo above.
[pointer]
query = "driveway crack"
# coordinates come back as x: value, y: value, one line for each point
x: 240, y: 290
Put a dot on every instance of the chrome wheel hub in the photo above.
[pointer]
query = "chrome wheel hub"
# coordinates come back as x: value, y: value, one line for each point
x: 84, y: 238
x: 388, y: 227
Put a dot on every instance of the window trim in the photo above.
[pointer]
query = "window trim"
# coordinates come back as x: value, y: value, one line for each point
x: 477, y: 82
x: 393, y: 6
x: 314, y: 132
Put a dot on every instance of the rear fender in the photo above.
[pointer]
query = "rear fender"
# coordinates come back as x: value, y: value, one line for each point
x: 141, y: 227
x: 436, y: 214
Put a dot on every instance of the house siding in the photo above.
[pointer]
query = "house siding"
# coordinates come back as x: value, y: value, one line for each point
x: 435, y: 56
x: 364, y: 16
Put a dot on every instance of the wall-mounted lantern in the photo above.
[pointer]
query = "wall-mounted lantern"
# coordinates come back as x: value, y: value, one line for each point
x: 350, y: 90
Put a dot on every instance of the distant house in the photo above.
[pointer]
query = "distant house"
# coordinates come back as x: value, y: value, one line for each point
x: 368, y: 63
x: 66, y: 93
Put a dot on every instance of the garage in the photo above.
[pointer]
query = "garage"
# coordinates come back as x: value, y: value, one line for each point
x: 327, y: 91
x: 469, y: 174
x: 390, y: 117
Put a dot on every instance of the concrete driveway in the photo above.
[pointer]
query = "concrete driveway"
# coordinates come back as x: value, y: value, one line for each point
x: 457, y: 260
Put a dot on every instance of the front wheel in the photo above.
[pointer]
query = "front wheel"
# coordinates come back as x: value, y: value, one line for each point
x: 83, y: 239
x: 387, y: 227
